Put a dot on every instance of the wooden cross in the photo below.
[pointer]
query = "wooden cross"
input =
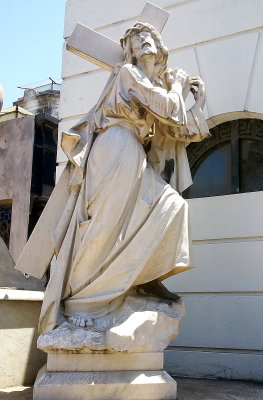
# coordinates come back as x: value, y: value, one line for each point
x: 103, y: 51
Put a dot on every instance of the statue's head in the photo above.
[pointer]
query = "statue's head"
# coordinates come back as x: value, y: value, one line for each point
x: 143, y: 40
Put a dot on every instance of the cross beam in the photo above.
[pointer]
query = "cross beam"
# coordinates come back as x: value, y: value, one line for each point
x: 103, y: 51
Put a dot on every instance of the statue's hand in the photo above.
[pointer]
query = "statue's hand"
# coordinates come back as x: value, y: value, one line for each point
x: 198, y: 90
x: 176, y: 79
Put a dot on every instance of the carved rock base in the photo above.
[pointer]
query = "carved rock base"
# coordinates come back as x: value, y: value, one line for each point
x: 120, y: 357
x: 142, y: 324
x: 110, y: 385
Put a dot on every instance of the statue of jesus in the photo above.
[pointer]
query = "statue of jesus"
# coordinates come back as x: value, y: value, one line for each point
x: 125, y: 224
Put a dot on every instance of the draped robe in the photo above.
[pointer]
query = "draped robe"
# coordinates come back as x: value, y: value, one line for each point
x: 122, y: 224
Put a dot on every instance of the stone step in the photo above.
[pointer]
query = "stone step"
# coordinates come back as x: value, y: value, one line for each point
x: 110, y: 385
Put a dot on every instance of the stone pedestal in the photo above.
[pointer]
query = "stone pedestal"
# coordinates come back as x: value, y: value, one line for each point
x: 119, y: 358
x: 111, y: 377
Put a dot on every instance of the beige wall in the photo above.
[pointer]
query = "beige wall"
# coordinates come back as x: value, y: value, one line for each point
x: 16, y: 155
x: 20, y: 358
x: 222, y: 41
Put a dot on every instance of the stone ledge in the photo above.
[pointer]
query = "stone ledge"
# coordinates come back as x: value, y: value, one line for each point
x: 26, y: 295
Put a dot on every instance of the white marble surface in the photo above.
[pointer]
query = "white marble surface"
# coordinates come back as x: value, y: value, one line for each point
x: 104, y: 362
x: 225, y: 217
x: 243, y: 48
x: 254, y: 97
x: 212, y: 260
x: 114, y: 385
x: 232, y: 318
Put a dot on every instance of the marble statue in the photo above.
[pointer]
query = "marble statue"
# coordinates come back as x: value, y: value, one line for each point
x: 122, y: 224
x: 116, y: 226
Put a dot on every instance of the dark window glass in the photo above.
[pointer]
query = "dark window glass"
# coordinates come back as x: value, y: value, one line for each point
x: 43, y: 168
x: 36, y: 182
x: 212, y: 177
x: 231, y: 161
x: 44, y: 160
x: 251, y: 166
x: 5, y: 222
x: 49, y: 167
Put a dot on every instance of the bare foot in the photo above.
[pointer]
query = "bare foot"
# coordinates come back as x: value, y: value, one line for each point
x: 80, y: 321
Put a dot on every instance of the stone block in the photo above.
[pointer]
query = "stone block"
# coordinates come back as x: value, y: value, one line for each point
x: 234, y: 78
x: 79, y: 94
x: 104, y: 362
x: 208, y: 21
x: 73, y: 64
x: 114, y: 385
x: 254, y: 98
x: 231, y: 216
x: 212, y: 260
x: 233, y: 318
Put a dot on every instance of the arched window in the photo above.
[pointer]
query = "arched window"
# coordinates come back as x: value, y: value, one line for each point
x: 229, y: 162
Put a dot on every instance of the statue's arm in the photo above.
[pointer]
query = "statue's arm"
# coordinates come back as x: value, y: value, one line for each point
x: 196, y: 128
x: 166, y: 106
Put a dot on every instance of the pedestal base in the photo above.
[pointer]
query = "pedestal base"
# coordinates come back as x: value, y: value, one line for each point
x: 110, y: 385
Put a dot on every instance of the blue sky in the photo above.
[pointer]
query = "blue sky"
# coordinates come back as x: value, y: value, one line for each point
x: 31, y: 43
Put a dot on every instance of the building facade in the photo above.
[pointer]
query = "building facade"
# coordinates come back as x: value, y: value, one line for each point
x: 28, y: 148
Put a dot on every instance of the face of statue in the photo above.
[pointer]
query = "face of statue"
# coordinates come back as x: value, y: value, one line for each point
x: 143, y: 45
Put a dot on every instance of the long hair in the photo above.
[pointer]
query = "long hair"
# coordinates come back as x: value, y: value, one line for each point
x: 162, y: 51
